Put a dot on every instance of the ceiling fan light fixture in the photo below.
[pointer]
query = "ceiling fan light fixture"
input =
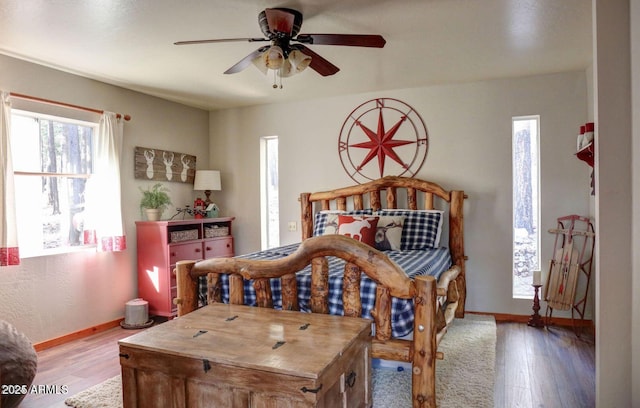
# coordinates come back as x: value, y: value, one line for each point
x: 299, y: 61
x: 287, y: 69
x: 259, y: 63
x: 273, y: 57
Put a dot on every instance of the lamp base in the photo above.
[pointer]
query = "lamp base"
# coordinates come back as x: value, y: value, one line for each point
x: 207, y: 200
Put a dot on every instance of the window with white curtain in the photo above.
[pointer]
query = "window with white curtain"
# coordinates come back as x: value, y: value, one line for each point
x: 53, y: 160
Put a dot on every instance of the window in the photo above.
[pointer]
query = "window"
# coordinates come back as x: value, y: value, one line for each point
x: 52, y: 160
x: 269, y: 192
x: 526, y: 204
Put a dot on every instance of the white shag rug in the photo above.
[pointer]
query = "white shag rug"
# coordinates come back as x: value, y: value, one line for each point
x: 465, y: 378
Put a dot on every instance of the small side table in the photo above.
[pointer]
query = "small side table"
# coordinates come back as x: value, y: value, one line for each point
x: 536, y: 320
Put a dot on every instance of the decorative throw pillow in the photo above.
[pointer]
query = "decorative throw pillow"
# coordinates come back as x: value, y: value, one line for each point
x: 326, y: 221
x: 362, y: 229
x: 330, y: 224
x: 389, y: 233
x: 422, y: 228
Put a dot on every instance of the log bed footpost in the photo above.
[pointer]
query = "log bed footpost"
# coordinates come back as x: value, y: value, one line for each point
x: 424, y: 344
x: 187, y: 288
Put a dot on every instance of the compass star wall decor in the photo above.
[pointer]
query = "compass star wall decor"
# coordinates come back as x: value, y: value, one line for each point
x: 387, y: 129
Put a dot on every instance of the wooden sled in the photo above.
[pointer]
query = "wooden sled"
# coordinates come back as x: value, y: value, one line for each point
x: 572, y: 257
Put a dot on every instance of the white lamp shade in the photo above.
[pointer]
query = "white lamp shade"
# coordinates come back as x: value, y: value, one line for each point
x: 299, y: 60
x: 286, y: 70
x: 207, y: 180
x: 259, y: 63
x: 274, y: 57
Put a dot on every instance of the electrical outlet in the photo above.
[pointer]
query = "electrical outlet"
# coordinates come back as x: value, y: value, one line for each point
x: 293, y: 226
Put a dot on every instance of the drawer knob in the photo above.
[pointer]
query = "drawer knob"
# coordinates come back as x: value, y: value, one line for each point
x: 173, y: 254
x: 197, y: 250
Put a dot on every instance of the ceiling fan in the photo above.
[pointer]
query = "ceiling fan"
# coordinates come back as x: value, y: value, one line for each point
x: 287, y: 53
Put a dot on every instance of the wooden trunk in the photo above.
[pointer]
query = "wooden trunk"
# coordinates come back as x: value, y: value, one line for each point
x: 239, y: 356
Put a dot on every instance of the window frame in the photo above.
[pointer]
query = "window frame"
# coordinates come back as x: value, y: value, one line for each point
x: 269, y: 231
x: 67, y: 116
x: 536, y: 211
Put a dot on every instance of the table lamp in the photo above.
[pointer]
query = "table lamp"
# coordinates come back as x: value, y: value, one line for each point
x: 207, y: 180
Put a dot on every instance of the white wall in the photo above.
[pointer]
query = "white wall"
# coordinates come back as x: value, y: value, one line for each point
x: 635, y: 184
x: 47, y: 297
x: 470, y: 148
x: 615, y: 213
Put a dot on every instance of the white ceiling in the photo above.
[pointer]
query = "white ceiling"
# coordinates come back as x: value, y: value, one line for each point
x: 130, y: 43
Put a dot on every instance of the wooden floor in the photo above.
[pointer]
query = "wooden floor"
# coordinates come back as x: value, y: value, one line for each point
x: 534, y: 367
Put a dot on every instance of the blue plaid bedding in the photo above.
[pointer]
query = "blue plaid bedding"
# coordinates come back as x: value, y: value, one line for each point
x: 433, y: 261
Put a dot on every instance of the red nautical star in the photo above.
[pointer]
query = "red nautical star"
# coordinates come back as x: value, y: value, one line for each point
x: 381, y: 143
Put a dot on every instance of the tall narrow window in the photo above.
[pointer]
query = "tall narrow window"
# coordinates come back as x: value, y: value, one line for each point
x: 269, y: 192
x: 526, y: 203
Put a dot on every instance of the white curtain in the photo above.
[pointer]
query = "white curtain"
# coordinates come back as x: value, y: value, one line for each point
x: 103, y: 223
x: 9, y: 254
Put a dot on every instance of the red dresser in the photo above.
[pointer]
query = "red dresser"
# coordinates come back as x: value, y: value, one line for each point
x: 163, y: 243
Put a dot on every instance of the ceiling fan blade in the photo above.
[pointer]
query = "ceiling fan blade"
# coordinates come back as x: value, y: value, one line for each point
x: 279, y: 20
x: 220, y: 40
x: 246, y: 61
x: 353, y: 40
x: 318, y: 63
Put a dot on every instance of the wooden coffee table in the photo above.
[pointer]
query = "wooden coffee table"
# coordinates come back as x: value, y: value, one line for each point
x: 240, y: 356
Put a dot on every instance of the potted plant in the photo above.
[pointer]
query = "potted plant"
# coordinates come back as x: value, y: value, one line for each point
x: 154, y: 201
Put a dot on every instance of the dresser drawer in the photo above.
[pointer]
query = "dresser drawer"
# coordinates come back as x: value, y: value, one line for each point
x: 218, y: 248
x: 182, y: 252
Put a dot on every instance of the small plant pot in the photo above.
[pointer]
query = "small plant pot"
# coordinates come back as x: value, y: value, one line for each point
x: 153, y: 214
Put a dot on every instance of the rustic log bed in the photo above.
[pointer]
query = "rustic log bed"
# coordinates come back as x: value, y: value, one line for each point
x: 436, y: 303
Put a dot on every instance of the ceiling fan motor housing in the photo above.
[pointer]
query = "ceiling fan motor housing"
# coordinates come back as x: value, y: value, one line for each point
x: 264, y: 24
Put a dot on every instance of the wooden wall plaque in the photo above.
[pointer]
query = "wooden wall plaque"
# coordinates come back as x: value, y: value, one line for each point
x: 163, y: 165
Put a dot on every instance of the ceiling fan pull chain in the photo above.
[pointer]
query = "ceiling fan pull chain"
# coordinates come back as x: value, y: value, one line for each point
x: 277, y: 74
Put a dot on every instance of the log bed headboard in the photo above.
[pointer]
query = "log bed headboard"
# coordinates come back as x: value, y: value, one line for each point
x: 420, y: 194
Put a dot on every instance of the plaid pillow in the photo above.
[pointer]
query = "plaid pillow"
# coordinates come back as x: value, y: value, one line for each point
x: 421, y: 230
x: 326, y: 221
